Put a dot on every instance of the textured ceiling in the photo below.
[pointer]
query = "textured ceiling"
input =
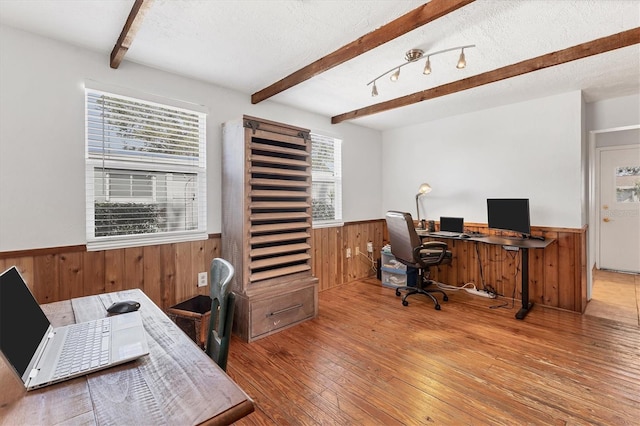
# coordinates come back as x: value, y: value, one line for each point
x: 248, y: 45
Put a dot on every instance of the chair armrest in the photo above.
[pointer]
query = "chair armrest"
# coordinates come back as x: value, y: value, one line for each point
x: 431, y: 245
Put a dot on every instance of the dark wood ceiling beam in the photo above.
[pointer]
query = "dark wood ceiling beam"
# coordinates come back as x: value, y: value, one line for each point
x: 410, y: 21
x: 584, y: 50
x: 136, y: 16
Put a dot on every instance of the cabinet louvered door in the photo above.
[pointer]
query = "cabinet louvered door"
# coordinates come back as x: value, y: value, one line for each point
x: 279, y: 206
x: 266, y: 225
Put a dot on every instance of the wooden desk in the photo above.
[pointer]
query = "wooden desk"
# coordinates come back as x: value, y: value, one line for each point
x: 177, y: 383
x: 522, y: 245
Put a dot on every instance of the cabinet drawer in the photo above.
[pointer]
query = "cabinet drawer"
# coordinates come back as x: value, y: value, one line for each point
x: 277, y: 312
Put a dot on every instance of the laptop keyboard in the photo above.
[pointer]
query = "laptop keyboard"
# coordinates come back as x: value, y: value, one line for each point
x: 87, y: 346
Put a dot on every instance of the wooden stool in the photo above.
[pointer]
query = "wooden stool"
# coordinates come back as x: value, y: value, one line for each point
x: 192, y: 316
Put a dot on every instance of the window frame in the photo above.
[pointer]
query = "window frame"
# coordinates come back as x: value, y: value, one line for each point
x: 134, y: 163
x: 334, y: 177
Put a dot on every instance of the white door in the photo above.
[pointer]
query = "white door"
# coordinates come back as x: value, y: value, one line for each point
x: 619, y: 218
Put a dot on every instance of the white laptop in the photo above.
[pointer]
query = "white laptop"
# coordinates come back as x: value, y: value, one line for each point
x: 43, y: 355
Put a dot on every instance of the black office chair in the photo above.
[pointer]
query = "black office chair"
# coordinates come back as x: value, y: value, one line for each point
x: 409, y: 250
x: 222, y: 307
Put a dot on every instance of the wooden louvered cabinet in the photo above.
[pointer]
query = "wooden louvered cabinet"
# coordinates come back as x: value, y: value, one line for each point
x: 266, y: 225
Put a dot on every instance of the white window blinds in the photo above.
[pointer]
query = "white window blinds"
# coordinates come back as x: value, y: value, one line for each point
x: 326, y: 158
x: 145, y: 172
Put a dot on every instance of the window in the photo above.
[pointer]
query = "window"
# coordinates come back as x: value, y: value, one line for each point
x: 627, y: 184
x: 326, y: 191
x: 145, y: 172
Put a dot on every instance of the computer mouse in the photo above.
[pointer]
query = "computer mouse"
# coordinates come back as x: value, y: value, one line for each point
x: 465, y: 236
x: 123, y: 307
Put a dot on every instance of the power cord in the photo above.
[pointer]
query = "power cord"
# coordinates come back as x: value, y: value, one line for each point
x: 455, y: 288
x: 370, y: 259
x: 514, y: 255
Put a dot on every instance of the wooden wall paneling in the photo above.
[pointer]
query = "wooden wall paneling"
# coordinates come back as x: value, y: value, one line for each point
x: 514, y: 268
x: 355, y: 242
x: 463, y: 263
x: 501, y: 276
x: 509, y: 266
x: 581, y: 279
x: 315, y: 254
x: 498, y: 272
x: 26, y: 267
x: 71, y: 275
x: 152, y: 272
x: 336, y: 248
x: 454, y: 275
x: 46, y: 276
x: 133, y: 268
x: 186, y: 278
x: 325, y: 260
x: 551, y: 272
x: 168, y: 274
x: 347, y: 275
x: 376, y: 239
x: 536, y: 276
x: 94, y: 278
x: 114, y: 270
x: 566, y: 271
x: 211, y: 250
x: 332, y: 279
x: 199, y: 264
x: 485, y: 263
x: 474, y: 269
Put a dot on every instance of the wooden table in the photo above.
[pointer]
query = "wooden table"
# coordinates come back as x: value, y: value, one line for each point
x: 177, y: 383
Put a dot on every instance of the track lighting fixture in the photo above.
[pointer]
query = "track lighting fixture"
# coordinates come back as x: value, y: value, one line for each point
x: 462, y: 62
x: 395, y: 75
x: 427, y: 67
x: 414, y: 55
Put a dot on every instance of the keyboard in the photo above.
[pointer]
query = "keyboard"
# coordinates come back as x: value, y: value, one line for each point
x: 86, y: 346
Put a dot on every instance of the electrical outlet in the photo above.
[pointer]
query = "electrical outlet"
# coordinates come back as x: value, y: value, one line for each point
x: 357, y: 251
x: 348, y: 253
x: 369, y: 247
x: 202, y: 279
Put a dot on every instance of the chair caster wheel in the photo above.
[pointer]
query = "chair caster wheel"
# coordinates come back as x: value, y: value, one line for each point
x: 405, y: 303
x: 397, y: 292
x: 445, y: 298
x: 437, y: 307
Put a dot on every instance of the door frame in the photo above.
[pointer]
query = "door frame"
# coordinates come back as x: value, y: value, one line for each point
x: 593, y: 242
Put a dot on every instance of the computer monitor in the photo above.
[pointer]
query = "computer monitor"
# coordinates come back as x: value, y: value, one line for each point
x: 509, y: 214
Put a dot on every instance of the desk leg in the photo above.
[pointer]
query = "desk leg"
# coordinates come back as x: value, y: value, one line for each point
x: 526, y: 305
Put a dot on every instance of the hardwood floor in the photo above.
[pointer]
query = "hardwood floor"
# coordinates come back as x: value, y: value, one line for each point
x: 615, y: 296
x: 368, y: 360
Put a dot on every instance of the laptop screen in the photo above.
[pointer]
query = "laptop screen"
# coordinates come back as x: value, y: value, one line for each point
x: 22, y: 321
x: 452, y: 224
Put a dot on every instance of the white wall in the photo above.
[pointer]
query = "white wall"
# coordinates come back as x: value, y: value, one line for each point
x: 616, y: 112
x: 42, y: 192
x: 529, y: 150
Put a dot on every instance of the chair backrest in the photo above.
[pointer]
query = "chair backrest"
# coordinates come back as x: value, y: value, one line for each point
x: 402, y: 237
x: 222, y: 307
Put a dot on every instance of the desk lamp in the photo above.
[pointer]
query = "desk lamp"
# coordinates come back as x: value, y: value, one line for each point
x: 423, y: 189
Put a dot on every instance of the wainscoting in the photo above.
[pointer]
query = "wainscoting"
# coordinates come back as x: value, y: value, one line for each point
x: 168, y: 273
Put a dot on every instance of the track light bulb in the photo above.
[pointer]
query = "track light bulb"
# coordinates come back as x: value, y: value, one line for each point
x: 427, y: 67
x: 462, y: 62
x: 395, y: 75
x: 374, y: 91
